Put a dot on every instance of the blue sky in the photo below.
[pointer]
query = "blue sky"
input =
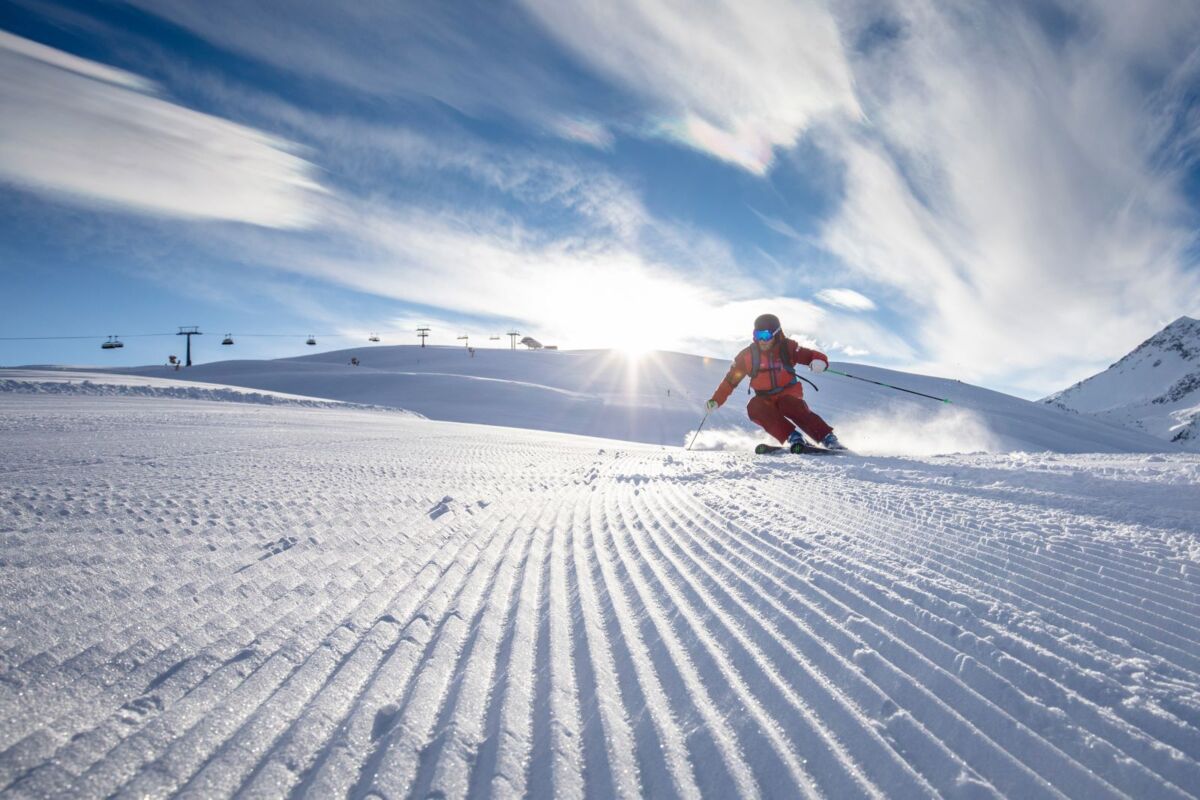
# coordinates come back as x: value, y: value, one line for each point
x: 1005, y: 193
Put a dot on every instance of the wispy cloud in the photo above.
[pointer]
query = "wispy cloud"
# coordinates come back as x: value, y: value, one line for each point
x: 98, y: 135
x: 1011, y: 186
x: 780, y: 227
x: 558, y: 246
x: 1013, y: 181
x: 18, y: 46
x: 583, y: 130
x: 736, y: 80
x: 846, y: 298
x: 448, y: 169
x: 577, y: 285
x: 483, y: 59
x: 577, y: 288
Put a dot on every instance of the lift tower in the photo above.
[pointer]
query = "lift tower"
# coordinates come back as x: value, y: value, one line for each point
x: 422, y: 332
x: 189, y: 331
x: 512, y: 339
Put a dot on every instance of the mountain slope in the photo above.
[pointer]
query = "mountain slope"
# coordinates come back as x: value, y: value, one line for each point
x: 659, y: 398
x: 211, y: 599
x: 1155, y: 388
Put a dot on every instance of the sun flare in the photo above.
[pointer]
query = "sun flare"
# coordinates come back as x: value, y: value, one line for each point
x: 634, y: 351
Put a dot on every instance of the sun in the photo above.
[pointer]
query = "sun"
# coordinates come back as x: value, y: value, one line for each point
x: 634, y: 351
x: 628, y: 309
x: 631, y: 342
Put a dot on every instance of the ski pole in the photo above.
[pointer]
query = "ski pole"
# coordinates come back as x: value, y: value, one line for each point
x: 697, y: 433
x: 888, y: 385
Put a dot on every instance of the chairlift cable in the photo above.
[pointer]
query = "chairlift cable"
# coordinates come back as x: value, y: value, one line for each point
x: 99, y: 336
x: 394, y: 333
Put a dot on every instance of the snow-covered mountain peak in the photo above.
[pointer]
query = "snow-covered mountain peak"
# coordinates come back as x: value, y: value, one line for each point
x: 1154, y: 388
x: 1181, y: 338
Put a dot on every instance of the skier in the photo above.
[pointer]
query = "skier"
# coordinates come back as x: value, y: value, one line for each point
x: 778, y: 404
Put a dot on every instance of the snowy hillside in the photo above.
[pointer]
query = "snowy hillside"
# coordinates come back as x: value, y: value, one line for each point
x: 658, y: 398
x: 1155, y: 388
x: 208, y: 599
x: 81, y: 381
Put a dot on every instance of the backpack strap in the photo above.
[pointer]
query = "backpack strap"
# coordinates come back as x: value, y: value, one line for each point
x: 785, y: 356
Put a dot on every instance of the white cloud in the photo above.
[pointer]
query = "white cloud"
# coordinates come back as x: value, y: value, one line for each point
x: 85, y: 131
x: 846, y: 298
x: 585, y: 131
x: 388, y: 160
x: 578, y: 288
x: 780, y: 227
x: 65, y: 61
x: 481, y: 59
x: 736, y: 80
x: 1011, y: 186
x: 574, y: 290
x: 463, y: 257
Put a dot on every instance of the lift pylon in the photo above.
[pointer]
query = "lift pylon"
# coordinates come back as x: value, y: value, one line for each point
x: 189, y: 331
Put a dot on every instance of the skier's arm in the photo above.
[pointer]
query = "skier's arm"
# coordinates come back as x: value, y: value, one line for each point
x: 804, y: 355
x: 730, y: 382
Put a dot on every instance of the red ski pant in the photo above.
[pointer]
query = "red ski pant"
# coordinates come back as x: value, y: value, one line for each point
x: 780, y: 414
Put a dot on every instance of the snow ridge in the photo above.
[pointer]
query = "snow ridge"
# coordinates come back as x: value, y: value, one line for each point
x: 86, y: 387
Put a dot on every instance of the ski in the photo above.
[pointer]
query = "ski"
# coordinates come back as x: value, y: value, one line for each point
x: 805, y: 449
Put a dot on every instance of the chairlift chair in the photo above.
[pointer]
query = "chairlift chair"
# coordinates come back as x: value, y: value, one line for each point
x: 374, y: 337
x: 311, y: 340
x: 112, y: 344
x: 228, y: 339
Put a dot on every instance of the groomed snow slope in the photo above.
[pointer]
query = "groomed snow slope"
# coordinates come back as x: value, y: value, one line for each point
x: 220, y: 598
x: 602, y: 393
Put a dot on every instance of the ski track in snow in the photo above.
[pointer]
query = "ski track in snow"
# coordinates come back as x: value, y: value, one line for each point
x: 209, y: 600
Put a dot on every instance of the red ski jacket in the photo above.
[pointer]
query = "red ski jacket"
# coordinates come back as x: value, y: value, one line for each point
x: 773, y: 374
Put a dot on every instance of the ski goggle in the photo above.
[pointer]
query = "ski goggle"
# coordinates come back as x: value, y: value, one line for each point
x: 764, y: 336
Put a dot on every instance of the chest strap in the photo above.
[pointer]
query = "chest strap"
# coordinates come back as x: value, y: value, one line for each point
x: 795, y: 379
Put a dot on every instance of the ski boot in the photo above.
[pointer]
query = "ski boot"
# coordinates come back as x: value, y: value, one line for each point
x: 830, y: 442
x: 795, y: 442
